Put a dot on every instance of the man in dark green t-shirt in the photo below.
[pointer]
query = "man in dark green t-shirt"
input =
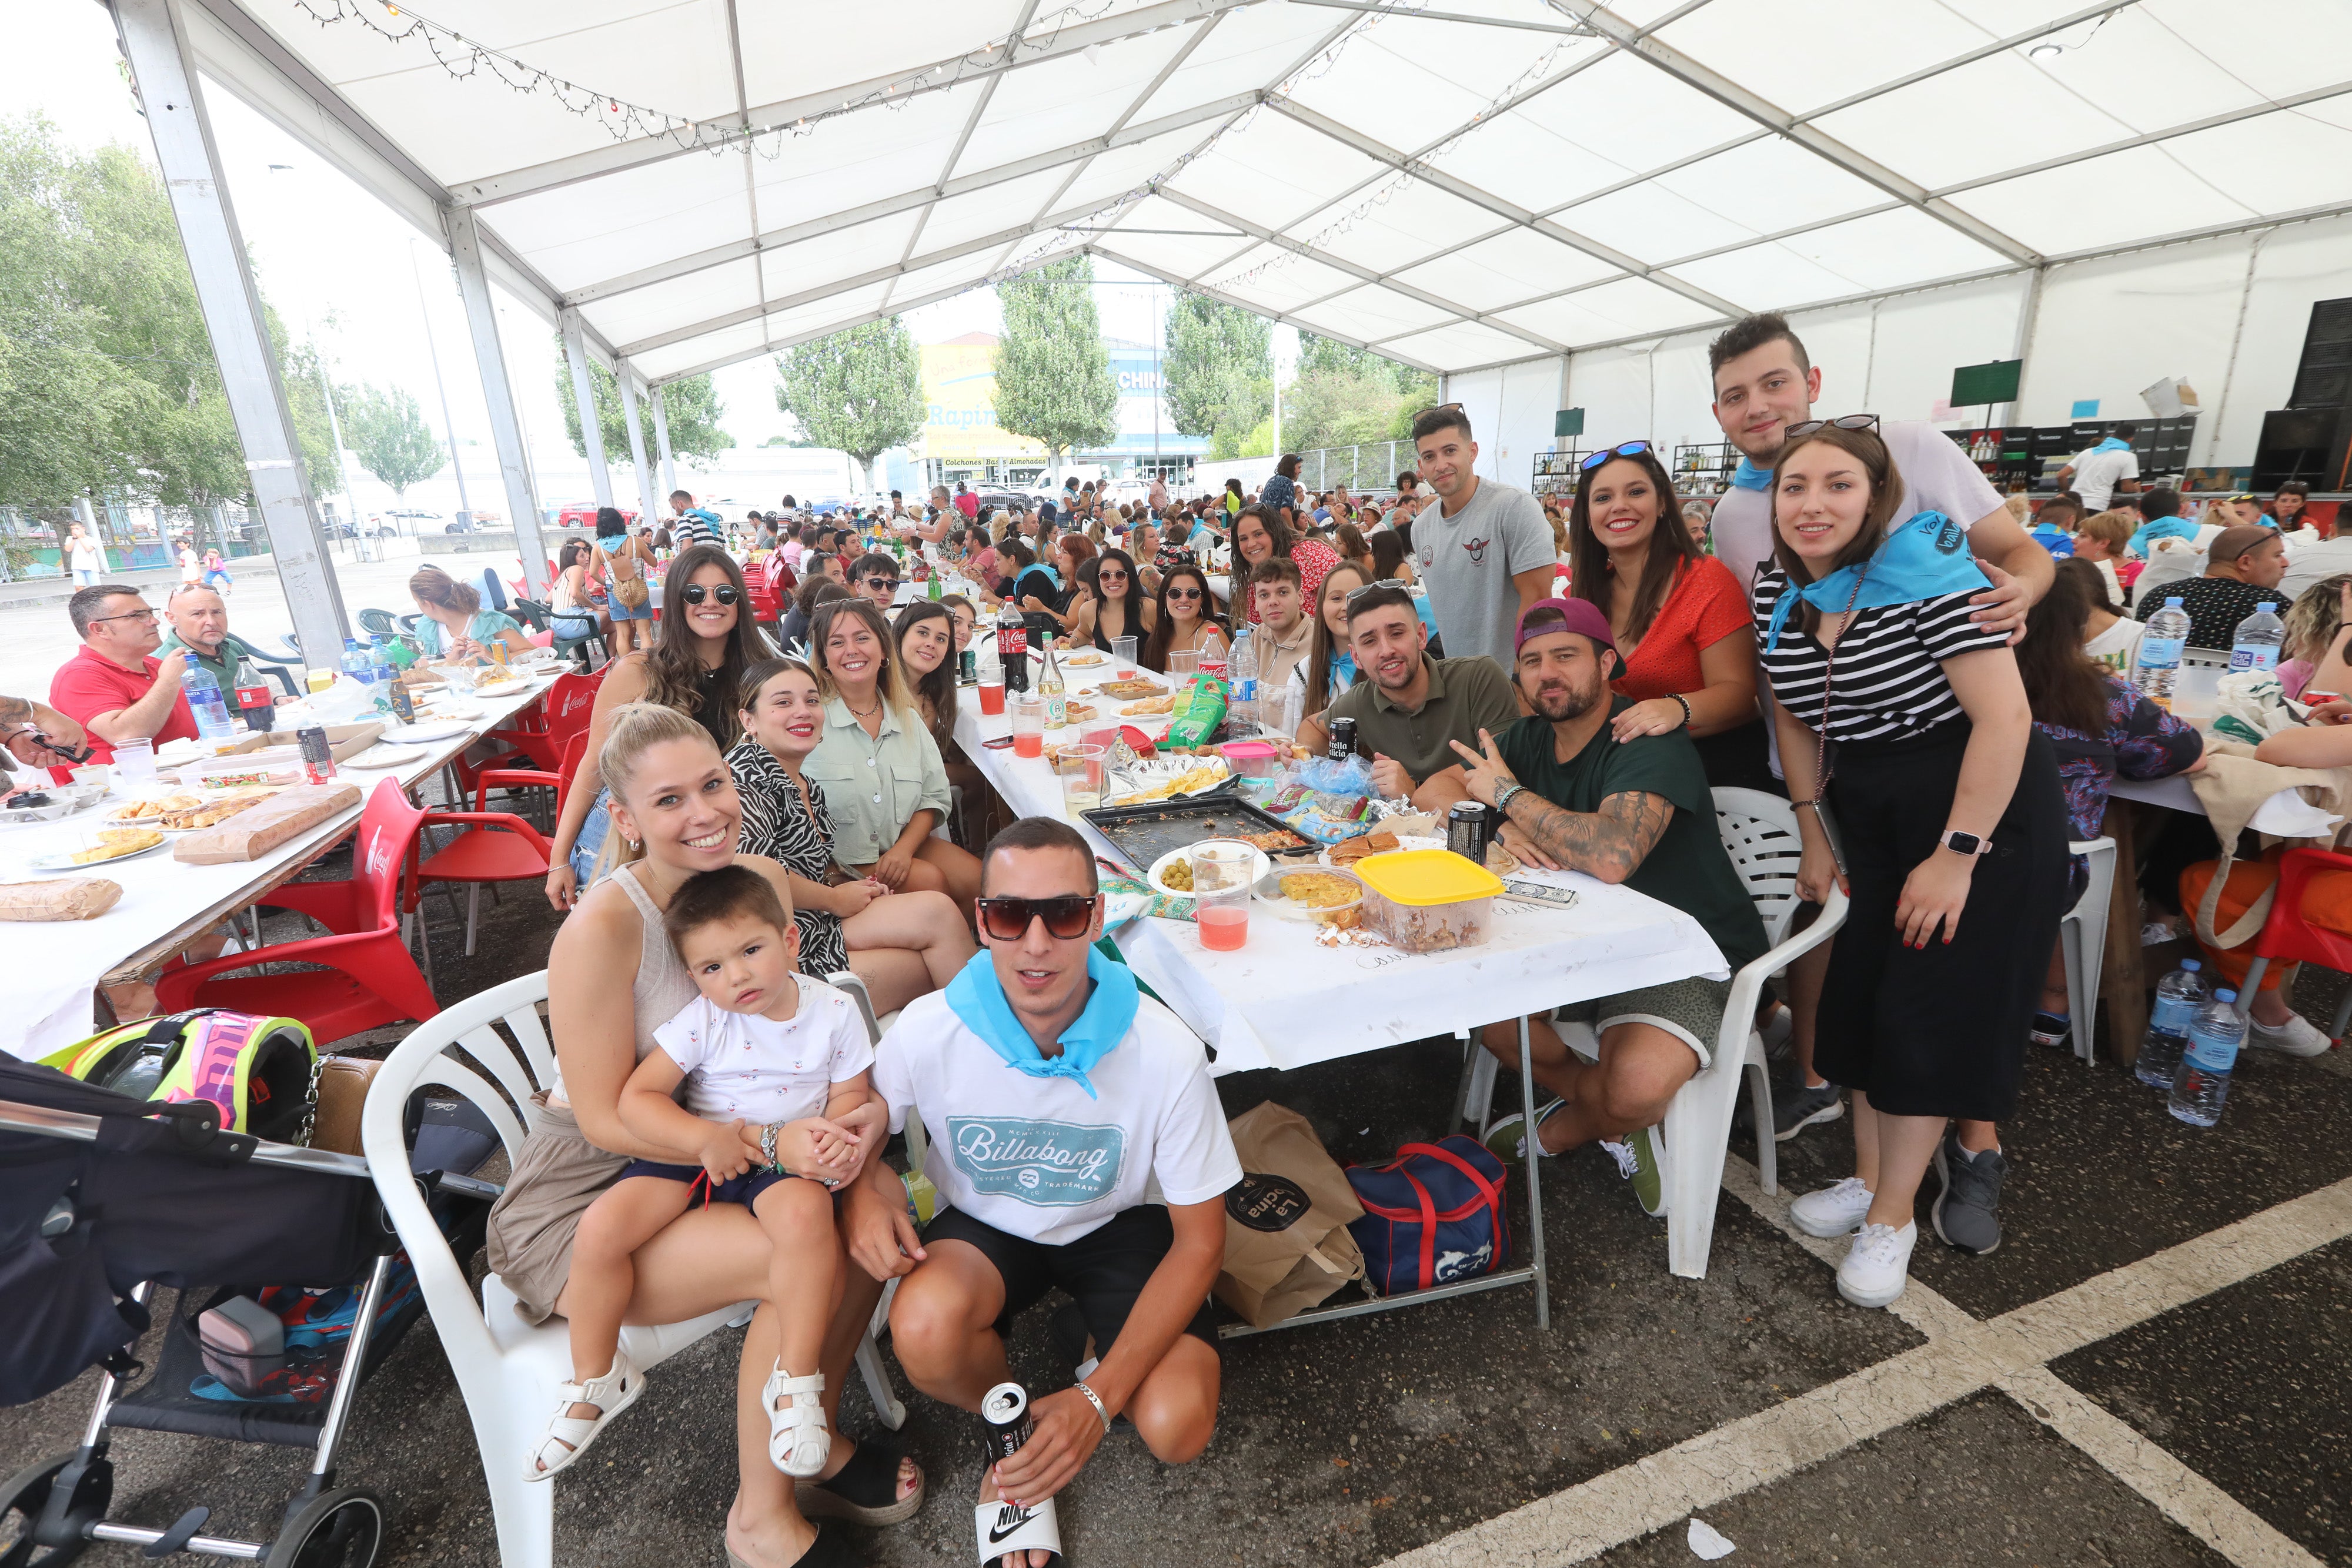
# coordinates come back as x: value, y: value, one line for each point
x: 1409, y: 708
x: 1637, y: 812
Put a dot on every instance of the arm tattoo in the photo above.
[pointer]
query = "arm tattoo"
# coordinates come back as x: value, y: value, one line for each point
x: 1609, y: 843
x: 15, y: 712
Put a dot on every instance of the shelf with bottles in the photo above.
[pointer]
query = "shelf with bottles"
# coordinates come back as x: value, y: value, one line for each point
x: 1704, y: 468
x: 1555, y: 471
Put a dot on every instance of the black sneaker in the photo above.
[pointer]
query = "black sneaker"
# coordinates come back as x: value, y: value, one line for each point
x: 1968, y: 1211
x: 1796, y: 1106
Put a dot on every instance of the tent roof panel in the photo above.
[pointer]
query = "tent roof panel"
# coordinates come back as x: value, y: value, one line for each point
x: 1372, y: 313
x: 661, y: 364
x: 967, y: 217
x: 2283, y: 46
x: 1394, y: 224
x: 2279, y: 162
x: 2048, y: 211
x: 1845, y: 44
x: 1277, y: 281
x: 1517, y: 264
x: 1462, y: 343
x: 635, y: 222
x: 1892, y: 128
x: 1630, y: 117
x: 1271, y: 170
x: 1067, y: 99
x: 1653, y: 224
x: 1885, y: 250
x: 682, y: 302
x: 844, y: 162
x: 1620, y: 310
x: 793, y: 269
x: 1770, y: 184
x: 928, y: 280
x: 1248, y: 48
x: 792, y: 51
x: 1390, y: 77
x: 1110, y: 175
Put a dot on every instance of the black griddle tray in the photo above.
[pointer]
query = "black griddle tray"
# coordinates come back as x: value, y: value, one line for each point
x: 1142, y: 833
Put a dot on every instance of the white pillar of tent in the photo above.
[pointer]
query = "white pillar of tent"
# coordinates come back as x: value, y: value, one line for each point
x: 498, y: 397
x: 155, y: 45
x: 661, y: 443
x: 2029, y: 316
x: 627, y: 379
x: 583, y: 396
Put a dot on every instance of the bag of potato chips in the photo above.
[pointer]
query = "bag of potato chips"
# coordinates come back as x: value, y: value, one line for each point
x: 1200, y: 709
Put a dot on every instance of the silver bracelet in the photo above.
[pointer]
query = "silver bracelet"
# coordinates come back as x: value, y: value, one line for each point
x: 1100, y: 1408
x: 768, y: 1147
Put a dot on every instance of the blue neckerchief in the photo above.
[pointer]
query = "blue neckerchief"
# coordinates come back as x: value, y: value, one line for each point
x: 1925, y: 558
x: 2155, y: 528
x: 2113, y: 444
x: 1748, y: 477
x: 977, y: 999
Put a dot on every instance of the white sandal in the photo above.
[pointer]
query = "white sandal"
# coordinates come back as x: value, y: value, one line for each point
x: 611, y: 1393
x: 798, y: 1438
x: 1005, y: 1529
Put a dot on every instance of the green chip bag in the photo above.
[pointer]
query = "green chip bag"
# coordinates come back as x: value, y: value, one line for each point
x: 1200, y: 708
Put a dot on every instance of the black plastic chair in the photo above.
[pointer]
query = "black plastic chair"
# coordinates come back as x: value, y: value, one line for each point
x: 283, y: 663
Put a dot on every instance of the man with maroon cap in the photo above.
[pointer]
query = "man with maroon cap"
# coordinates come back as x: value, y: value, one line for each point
x: 1634, y: 812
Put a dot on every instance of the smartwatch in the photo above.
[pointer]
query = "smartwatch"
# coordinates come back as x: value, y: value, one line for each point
x: 1962, y: 844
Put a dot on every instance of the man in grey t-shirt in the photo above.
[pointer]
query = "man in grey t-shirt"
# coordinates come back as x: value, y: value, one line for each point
x: 1482, y: 547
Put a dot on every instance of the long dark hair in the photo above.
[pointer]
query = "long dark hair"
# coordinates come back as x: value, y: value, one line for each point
x: 1348, y: 541
x: 2063, y: 685
x: 1885, y: 494
x: 1134, y: 594
x: 1671, y: 546
x: 1390, y: 546
x: 936, y: 691
x: 1276, y: 530
x: 673, y: 668
x: 1318, y: 646
x: 1163, y: 630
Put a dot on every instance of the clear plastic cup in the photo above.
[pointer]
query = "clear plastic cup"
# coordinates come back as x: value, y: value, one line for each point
x: 134, y: 761
x: 1184, y: 663
x: 992, y: 694
x: 1081, y: 767
x: 1029, y: 727
x: 1122, y: 657
x: 1220, y: 893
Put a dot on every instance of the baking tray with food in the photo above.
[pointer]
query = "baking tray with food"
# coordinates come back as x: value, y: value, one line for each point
x: 1143, y: 833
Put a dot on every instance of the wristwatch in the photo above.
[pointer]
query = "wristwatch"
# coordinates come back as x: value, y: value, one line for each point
x: 1962, y: 844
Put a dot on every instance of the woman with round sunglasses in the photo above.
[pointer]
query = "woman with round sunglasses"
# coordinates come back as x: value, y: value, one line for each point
x: 702, y: 645
x: 881, y: 770
x: 1185, y: 621
x: 1117, y: 608
x: 1680, y: 619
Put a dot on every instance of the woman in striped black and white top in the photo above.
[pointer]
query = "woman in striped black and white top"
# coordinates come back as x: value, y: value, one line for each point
x: 1954, y: 838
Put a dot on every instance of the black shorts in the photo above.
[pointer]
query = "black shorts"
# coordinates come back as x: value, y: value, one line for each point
x: 1103, y: 1270
x: 744, y: 1189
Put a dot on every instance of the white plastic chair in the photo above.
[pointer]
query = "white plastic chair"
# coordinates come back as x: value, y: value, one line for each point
x: 1759, y: 834
x: 2083, y: 941
x: 506, y: 1369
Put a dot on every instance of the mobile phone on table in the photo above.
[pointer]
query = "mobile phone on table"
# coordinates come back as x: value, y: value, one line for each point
x: 999, y: 744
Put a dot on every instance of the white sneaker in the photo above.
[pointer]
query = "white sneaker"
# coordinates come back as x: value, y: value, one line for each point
x: 1878, y: 1265
x: 2296, y: 1036
x: 1833, y: 1211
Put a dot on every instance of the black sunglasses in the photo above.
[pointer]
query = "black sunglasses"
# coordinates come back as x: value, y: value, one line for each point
x: 881, y: 582
x: 694, y: 593
x: 1183, y: 593
x: 1068, y: 917
x: 1842, y: 422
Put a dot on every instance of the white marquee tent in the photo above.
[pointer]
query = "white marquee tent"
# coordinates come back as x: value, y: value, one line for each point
x: 1551, y: 203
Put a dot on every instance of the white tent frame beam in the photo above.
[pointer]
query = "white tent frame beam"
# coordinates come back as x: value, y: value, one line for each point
x: 1162, y: 273
x: 963, y: 139
x: 725, y: 132
x: 1524, y: 26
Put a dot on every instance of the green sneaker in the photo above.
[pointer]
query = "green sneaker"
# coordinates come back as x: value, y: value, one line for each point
x: 1507, y: 1139
x: 1640, y: 1159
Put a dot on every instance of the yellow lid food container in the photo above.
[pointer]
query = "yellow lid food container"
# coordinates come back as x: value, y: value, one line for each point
x: 1426, y: 901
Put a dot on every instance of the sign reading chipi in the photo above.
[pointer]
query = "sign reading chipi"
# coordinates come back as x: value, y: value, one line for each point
x: 1051, y: 1164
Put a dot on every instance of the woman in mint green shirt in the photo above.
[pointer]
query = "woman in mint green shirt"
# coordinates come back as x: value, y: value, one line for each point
x: 884, y: 781
x: 454, y: 625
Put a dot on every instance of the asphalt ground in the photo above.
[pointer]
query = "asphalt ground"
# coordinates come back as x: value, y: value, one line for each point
x: 2150, y: 1372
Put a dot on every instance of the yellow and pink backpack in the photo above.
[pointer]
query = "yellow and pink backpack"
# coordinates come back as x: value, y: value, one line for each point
x: 261, y: 1071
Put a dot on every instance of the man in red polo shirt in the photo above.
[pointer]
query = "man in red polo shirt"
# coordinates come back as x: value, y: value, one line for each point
x: 115, y: 687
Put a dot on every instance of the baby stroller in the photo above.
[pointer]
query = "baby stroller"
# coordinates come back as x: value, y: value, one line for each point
x: 103, y: 1197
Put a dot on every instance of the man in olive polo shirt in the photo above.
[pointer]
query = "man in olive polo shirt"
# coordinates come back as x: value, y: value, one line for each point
x: 199, y: 623
x: 1410, y: 708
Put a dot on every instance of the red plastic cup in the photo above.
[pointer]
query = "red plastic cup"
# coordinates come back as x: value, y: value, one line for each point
x: 991, y: 696
x: 1224, y: 928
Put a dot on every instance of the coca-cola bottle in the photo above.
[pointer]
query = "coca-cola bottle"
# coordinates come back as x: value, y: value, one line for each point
x: 1013, y: 646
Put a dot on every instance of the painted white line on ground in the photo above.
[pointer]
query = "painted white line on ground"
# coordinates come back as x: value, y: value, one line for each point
x: 1962, y: 1357
x: 2186, y: 1498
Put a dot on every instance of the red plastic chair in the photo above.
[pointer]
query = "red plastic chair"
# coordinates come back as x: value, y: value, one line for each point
x: 538, y: 735
x: 496, y: 846
x: 369, y: 977
x: 2287, y: 936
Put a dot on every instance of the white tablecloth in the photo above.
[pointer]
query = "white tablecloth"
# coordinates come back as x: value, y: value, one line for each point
x: 1283, y: 1001
x: 53, y: 968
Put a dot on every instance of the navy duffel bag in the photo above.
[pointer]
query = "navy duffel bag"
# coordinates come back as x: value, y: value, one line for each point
x: 1432, y: 1215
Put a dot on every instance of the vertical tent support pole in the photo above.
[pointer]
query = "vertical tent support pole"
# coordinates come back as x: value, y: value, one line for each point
x: 497, y: 396
x: 627, y: 379
x: 583, y: 396
x: 155, y: 45
x: 2029, y: 316
x: 661, y: 442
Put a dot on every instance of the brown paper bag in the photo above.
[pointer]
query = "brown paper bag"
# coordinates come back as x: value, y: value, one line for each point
x: 1287, y: 1241
x: 258, y: 830
x: 68, y: 898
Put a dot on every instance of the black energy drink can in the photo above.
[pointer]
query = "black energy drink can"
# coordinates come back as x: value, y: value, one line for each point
x: 1466, y: 831
x: 1005, y: 1410
x: 1343, y: 739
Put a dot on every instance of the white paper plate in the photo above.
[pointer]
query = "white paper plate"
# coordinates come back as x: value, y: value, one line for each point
x: 430, y: 729
x: 63, y: 862
x: 1257, y: 869
x: 382, y: 756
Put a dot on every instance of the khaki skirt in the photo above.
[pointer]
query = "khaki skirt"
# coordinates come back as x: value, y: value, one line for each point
x: 558, y: 1174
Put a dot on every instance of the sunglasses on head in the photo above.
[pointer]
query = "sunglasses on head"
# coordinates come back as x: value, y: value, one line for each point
x: 1066, y: 917
x: 1627, y: 449
x: 694, y: 593
x: 1844, y: 421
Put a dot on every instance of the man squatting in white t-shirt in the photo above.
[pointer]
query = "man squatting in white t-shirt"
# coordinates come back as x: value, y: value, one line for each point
x: 1077, y: 1141
x: 1765, y: 382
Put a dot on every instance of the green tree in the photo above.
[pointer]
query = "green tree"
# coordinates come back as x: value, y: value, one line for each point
x: 1345, y: 395
x: 690, y: 408
x: 1053, y: 383
x: 1220, y: 368
x: 388, y: 434
x: 859, y: 391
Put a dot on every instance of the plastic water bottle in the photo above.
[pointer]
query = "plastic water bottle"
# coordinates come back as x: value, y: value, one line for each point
x: 1241, y: 674
x: 2157, y: 664
x: 204, y: 695
x: 381, y: 674
x: 2178, y: 997
x: 2254, y: 645
x: 2202, y: 1084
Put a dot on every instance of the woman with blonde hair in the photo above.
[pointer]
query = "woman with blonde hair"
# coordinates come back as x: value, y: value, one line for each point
x: 2315, y: 625
x: 613, y: 979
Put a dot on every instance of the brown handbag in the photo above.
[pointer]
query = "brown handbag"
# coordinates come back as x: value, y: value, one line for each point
x: 343, y: 1090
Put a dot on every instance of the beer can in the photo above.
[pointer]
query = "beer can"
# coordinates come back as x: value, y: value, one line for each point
x: 318, y: 756
x: 1005, y: 1409
x: 1343, y: 739
x: 1467, y: 830
x: 968, y: 666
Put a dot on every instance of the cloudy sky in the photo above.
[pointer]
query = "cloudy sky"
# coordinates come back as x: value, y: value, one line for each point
x: 361, y: 277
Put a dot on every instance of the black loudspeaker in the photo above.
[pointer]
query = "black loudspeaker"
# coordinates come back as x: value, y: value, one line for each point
x: 2306, y: 444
